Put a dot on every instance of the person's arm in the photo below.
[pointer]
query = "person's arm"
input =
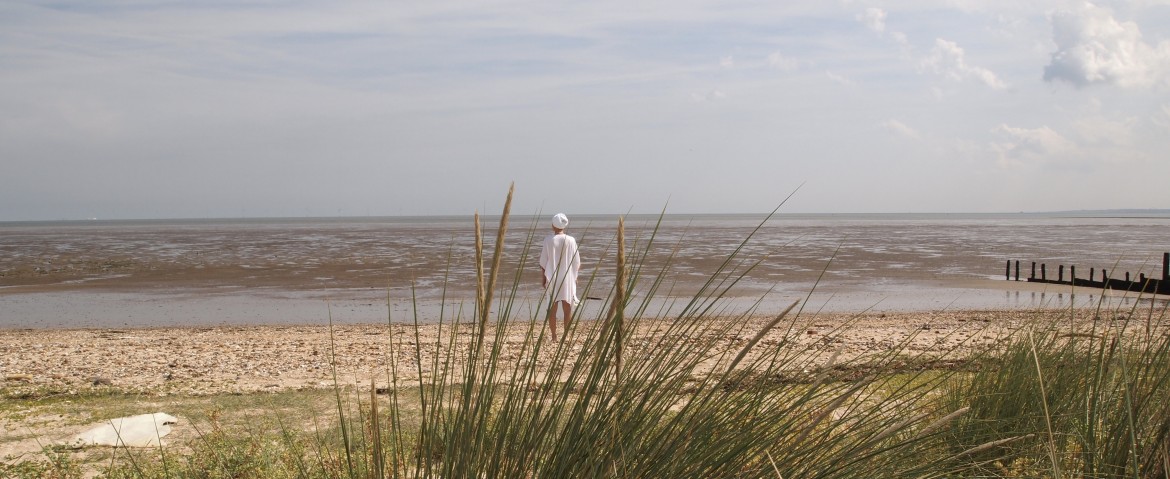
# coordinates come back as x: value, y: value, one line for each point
x: 543, y: 261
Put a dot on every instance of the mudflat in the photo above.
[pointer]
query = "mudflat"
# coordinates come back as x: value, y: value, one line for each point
x: 163, y: 273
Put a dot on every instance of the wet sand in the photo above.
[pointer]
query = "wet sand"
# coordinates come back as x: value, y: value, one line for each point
x: 121, y: 309
x: 285, y: 271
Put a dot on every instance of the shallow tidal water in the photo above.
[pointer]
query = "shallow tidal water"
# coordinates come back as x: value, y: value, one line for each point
x: 293, y: 271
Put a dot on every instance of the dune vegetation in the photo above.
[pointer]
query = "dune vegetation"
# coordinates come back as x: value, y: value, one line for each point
x: 1087, y: 396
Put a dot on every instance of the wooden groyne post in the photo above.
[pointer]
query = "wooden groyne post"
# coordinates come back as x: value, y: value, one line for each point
x: 1143, y: 283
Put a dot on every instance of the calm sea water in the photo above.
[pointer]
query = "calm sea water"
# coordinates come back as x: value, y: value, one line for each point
x: 261, y: 271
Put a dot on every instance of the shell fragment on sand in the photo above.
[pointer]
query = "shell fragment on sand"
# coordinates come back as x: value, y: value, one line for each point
x: 143, y: 430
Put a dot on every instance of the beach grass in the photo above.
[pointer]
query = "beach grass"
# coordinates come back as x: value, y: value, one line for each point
x: 630, y: 394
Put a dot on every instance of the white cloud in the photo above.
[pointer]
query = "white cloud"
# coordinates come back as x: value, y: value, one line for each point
x: 874, y: 19
x: 949, y: 60
x: 900, y: 38
x: 781, y: 62
x: 901, y: 129
x: 727, y: 62
x: 838, y: 78
x: 713, y: 95
x: 1022, y: 146
x: 1092, y: 47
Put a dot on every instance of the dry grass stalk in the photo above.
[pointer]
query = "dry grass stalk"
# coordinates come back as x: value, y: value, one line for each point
x: 497, y: 256
x: 1051, y: 444
x: 773, y: 463
x: 760, y: 335
x: 478, y: 265
x: 377, y: 452
x: 895, y: 428
x: 827, y: 410
x: 989, y: 445
x: 943, y: 421
x: 617, y: 307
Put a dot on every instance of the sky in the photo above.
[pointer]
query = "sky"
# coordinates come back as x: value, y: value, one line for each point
x: 119, y: 109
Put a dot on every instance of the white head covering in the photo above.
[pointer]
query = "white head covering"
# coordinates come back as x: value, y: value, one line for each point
x: 560, y: 221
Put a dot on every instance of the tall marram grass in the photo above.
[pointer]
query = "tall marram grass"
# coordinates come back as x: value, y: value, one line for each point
x: 681, y: 404
x: 1090, y: 401
x: 626, y: 397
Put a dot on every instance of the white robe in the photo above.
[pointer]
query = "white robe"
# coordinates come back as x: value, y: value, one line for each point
x: 561, y: 262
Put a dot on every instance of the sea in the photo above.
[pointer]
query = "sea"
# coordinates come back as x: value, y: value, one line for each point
x: 266, y: 271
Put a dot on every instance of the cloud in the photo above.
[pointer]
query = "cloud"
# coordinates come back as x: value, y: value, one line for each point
x: 838, y: 78
x: 900, y: 38
x: 180, y: 92
x: 949, y: 60
x: 900, y: 129
x: 711, y: 96
x: 1092, y: 47
x: 1022, y: 146
x: 781, y: 62
x: 874, y: 19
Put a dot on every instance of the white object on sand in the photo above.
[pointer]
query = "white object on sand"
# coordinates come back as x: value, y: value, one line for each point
x: 143, y: 430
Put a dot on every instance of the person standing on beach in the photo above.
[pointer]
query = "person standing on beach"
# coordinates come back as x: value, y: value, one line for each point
x: 559, y: 264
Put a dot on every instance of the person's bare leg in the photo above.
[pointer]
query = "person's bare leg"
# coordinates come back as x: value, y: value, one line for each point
x: 567, y: 309
x: 552, y: 320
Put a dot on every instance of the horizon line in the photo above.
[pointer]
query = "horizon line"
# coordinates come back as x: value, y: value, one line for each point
x: 1086, y: 213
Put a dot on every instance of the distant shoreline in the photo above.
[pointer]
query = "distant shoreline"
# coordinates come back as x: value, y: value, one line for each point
x: 523, y: 218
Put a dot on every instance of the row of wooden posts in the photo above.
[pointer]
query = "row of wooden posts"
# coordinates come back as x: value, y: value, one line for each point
x: 1141, y: 283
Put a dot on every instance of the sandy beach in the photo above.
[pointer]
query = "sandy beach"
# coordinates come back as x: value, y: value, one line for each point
x: 218, y: 360
x: 145, y: 370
